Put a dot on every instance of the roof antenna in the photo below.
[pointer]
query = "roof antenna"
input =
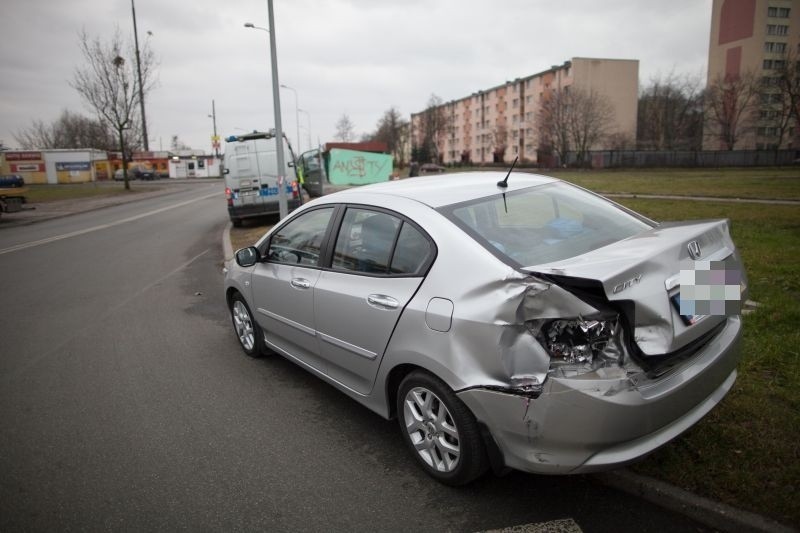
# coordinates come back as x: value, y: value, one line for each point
x: 504, y: 183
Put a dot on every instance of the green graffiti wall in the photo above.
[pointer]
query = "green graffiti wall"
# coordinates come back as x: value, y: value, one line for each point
x: 347, y: 167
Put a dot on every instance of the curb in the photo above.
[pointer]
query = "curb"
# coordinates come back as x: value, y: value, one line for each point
x: 227, y: 248
x: 717, y: 515
x: 723, y: 199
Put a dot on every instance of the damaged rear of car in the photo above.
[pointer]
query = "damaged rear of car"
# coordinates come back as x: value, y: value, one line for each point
x: 614, y: 334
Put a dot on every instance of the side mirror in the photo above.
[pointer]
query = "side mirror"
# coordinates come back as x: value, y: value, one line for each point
x: 226, y: 171
x: 290, y: 164
x: 247, y: 257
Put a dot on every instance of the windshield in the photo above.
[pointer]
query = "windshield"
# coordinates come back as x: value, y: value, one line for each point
x: 543, y: 224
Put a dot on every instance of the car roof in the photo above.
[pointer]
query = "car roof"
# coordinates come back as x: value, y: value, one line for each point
x: 446, y: 189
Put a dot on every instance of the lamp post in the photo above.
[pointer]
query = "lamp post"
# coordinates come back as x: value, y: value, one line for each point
x: 215, y: 139
x: 308, y: 116
x: 139, y: 75
x: 296, y: 114
x: 276, y: 101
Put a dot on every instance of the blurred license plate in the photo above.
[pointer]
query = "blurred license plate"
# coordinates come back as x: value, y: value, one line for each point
x: 687, y: 319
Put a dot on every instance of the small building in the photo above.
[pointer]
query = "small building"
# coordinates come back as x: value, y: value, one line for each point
x: 56, y: 166
x: 194, y: 166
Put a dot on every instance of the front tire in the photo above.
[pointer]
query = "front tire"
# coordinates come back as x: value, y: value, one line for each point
x: 247, y: 330
x: 440, y: 430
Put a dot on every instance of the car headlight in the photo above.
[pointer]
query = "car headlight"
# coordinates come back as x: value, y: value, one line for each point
x: 581, y: 345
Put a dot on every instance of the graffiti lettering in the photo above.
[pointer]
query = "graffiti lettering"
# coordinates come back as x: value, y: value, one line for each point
x: 349, y: 167
x: 358, y: 167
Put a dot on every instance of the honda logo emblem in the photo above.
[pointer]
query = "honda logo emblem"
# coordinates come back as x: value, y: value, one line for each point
x: 694, y: 250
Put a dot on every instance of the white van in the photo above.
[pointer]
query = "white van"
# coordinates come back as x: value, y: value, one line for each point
x: 251, y: 176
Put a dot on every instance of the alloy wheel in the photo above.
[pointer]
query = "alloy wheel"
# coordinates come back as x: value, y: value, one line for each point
x: 432, y: 430
x: 244, y: 325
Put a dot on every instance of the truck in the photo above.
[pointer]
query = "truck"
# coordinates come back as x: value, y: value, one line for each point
x: 252, y: 176
x: 336, y: 166
x: 12, y: 194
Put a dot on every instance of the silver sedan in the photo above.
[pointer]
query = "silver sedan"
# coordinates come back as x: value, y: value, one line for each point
x: 525, y: 324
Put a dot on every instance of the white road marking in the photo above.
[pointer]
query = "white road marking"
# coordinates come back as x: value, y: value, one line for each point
x: 48, y: 240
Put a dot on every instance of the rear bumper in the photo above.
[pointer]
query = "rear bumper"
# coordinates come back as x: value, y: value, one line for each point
x: 588, y: 425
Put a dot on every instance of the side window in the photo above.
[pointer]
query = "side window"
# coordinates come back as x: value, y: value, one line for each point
x: 365, y: 241
x: 299, y: 242
x: 412, y: 252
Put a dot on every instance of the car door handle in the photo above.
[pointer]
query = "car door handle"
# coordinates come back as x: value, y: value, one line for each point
x: 381, y: 300
x: 300, y: 283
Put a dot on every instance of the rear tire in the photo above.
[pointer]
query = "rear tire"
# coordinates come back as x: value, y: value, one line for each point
x: 440, y: 430
x: 247, y: 330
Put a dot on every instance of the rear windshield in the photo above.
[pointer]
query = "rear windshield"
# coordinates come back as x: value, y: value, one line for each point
x: 543, y: 224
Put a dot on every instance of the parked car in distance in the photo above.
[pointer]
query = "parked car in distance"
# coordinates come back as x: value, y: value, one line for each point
x: 529, y: 324
x: 431, y: 168
x: 136, y: 171
x: 119, y: 176
x: 142, y: 171
x: 11, y: 181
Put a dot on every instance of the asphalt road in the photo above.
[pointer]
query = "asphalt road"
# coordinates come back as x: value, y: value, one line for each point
x: 126, y: 404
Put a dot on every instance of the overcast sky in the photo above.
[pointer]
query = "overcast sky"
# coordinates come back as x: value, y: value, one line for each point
x: 358, y: 57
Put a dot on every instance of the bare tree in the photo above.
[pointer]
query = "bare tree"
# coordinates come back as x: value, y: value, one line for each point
x: 730, y: 107
x: 69, y: 130
x: 554, y: 123
x: 345, y: 130
x: 177, y: 145
x: 498, y: 140
x: 670, y: 114
x: 571, y: 119
x: 591, y: 116
x: 392, y: 129
x: 433, y: 125
x: 779, y: 108
x: 107, y: 83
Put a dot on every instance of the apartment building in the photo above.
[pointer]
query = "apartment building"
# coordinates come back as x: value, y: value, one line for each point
x: 754, y: 37
x: 502, y: 122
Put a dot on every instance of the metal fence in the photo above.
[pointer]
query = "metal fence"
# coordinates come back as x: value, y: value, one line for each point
x: 721, y: 158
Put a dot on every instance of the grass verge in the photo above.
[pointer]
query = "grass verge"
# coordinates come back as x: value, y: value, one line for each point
x: 768, y: 183
x: 765, y: 183
x: 252, y: 229
x: 53, y: 193
x: 745, y: 452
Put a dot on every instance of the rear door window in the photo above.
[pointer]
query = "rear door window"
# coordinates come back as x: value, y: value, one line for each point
x: 375, y: 242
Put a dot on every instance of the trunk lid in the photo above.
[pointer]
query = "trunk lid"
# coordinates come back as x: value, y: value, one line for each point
x: 645, y: 271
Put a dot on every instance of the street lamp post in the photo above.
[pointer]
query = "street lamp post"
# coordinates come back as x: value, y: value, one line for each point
x: 296, y: 114
x: 276, y: 101
x: 139, y: 75
x: 215, y: 139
